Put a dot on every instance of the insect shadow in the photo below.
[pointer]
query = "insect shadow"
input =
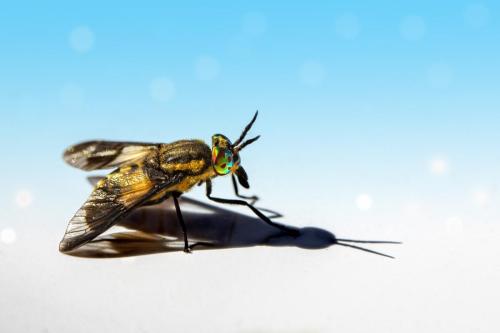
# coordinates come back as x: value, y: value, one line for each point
x: 155, y: 229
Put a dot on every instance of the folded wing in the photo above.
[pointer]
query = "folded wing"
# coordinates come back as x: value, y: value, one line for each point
x: 112, y: 199
x: 93, y: 155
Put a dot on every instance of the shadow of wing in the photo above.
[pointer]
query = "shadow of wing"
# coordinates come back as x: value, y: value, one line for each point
x: 155, y: 229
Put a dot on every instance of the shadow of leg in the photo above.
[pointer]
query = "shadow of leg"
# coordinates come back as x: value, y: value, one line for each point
x: 155, y: 229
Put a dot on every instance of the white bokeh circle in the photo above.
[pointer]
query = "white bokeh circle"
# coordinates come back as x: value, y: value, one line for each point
x: 24, y: 198
x: 8, y: 235
x: 81, y: 39
x: 364, y: 202
x: 438, y: 166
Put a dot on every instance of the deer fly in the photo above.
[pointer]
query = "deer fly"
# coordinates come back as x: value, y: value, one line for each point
x: 147, y: 174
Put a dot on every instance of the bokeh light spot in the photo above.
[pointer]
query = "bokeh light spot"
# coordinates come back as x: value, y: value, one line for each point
x: 438, y: 166
x: 364, y: 202
x: 81, y: 39
x: 24, y: 198
x: 8, y: 236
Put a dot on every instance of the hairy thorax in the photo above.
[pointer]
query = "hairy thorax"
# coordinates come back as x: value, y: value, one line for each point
x: 189, y: 158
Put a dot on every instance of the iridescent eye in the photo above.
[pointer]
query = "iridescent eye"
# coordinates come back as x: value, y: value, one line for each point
x: 222, y: 160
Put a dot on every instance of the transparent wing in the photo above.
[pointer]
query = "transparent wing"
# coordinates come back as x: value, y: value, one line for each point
x: 93, y: 155
x: 112, y: 199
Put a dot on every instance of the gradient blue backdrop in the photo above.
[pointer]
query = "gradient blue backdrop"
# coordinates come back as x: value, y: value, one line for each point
x: 351, y: 94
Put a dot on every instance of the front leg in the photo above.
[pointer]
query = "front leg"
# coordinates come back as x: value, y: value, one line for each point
x: 290, y: 231
x: 253, y: 198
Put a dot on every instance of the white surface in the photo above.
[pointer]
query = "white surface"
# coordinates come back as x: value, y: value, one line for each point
x: 442, y: 280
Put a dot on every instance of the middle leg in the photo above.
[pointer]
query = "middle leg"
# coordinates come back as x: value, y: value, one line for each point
x: 187, y: 249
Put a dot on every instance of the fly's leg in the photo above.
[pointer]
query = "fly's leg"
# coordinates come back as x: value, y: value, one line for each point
x: 253, y: 198
x: 187, y: 249
x: 274, y: 214
x: 289, y: 231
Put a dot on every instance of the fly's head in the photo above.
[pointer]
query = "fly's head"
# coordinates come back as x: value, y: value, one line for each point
x: 225, y: 155
x: 225, y: 159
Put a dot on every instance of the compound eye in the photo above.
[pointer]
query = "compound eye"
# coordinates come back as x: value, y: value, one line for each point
x: 222, y: 160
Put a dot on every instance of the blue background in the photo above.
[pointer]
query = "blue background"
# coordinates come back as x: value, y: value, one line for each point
x: 352, y: 97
